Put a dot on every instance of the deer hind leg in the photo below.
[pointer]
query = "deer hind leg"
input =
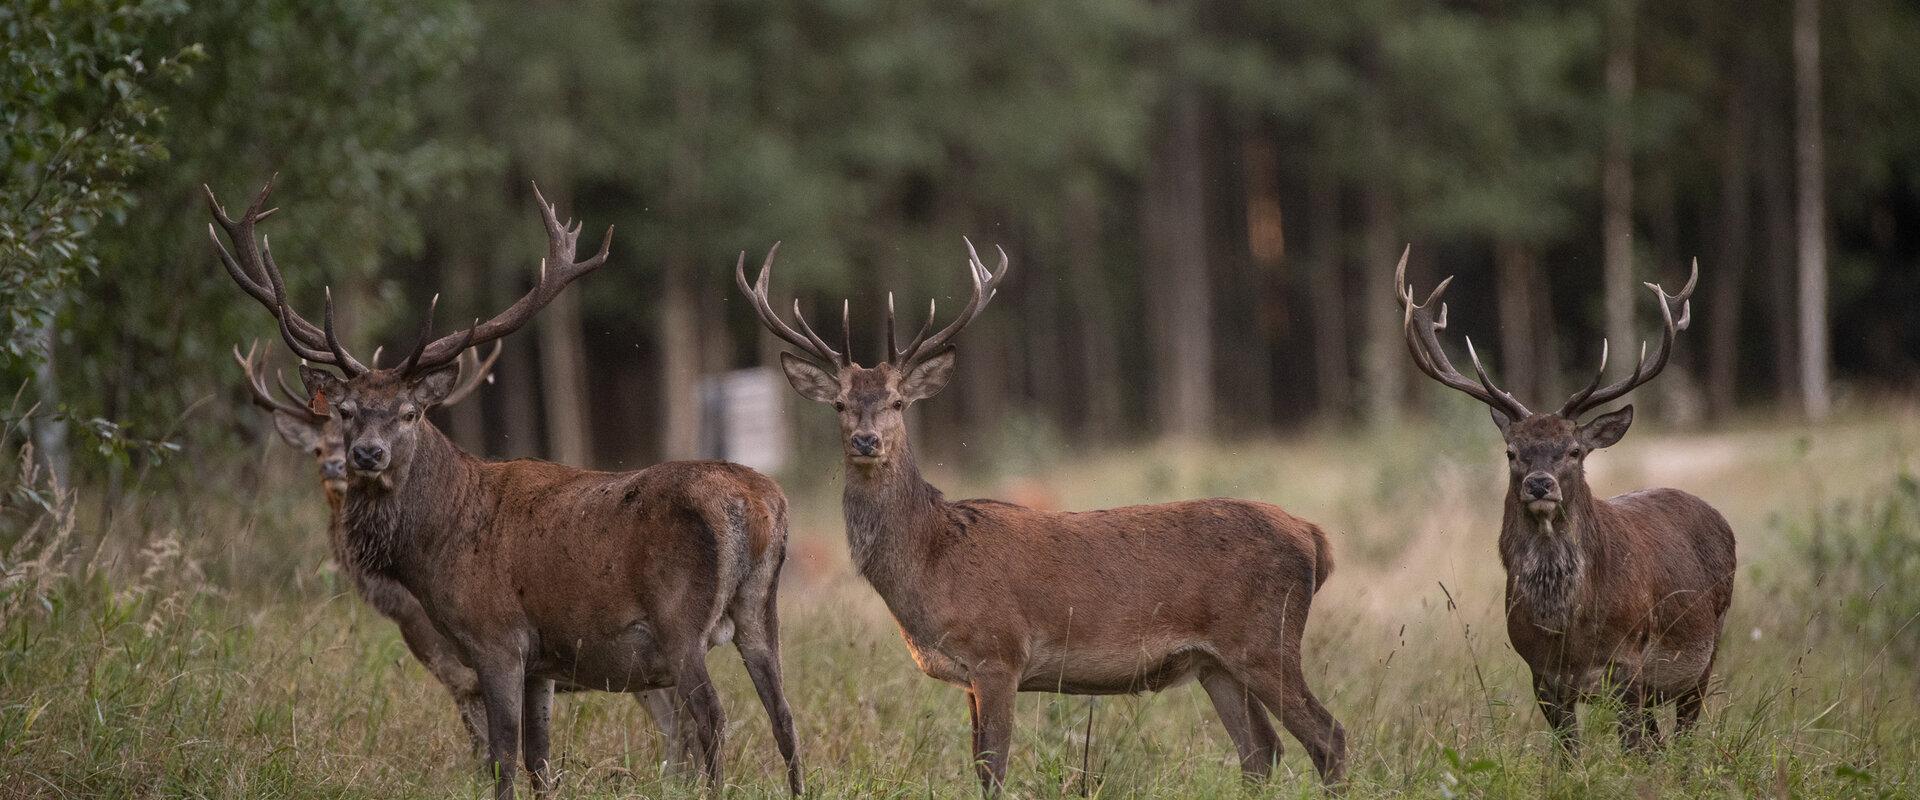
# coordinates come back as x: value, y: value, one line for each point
x: 536, y: 733
x: 676, y: 729
x: 757, y: 635
x: 1278, y: 682
x: 695, y: 689
x: 1245, y: 718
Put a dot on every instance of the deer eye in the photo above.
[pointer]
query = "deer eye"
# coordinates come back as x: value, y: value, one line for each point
x: 410, y: 415
x: 1573, y: 453
x: 1512, y: 455
x: 346, y: 412
x: 899, y: 404
x: 839, y: 406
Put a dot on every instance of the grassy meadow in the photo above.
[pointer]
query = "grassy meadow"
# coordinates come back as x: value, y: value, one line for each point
x: 192, y: 641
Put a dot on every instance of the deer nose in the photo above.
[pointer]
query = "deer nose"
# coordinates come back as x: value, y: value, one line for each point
x: 1538, y: 485
x: 865, y: 444
x: 333, y: 468
x: 369, y: 457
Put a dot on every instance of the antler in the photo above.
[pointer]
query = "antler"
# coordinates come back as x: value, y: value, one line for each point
x: 556, y: 271
x: 257, y: 386
x: 474, y: 371
x: 1423, y: 342
x: 1595, y: 396
x: 805, y: 339
x: 985, y: 285
x: 253, y: 268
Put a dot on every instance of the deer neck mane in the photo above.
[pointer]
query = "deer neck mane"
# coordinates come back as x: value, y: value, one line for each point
x: 387, y: 530
x: 889, y: 509
x: 1549, y: 560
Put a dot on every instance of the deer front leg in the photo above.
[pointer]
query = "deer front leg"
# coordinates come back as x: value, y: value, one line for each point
x: 1557, y: 705
x: 993, y: 687
x: 536, y: 725
x: 503, y: 687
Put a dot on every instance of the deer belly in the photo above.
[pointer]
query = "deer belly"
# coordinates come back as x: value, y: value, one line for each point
x: 629, y: 661
x: 1082, y: 670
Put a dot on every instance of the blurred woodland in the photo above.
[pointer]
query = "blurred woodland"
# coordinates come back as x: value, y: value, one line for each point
x: 1203, y: 201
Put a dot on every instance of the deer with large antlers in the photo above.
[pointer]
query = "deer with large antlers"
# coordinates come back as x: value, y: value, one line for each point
x: 998, y: 599
x: 537, y: 572
x: 1623, y: 596
x: 318, y: 435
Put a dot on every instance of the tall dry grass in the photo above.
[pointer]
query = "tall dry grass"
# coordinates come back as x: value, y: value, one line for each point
x: 197, y: 644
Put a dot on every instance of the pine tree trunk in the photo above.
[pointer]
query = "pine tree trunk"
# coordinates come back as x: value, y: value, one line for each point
x: 1519, y: 292
x: 1811, y: 191
x: 1332, y: 358
x: 563, y: 380
x: 1178, y: 299
x: 1617, y: 177
x: 1723, y: 304
x: 1093, y: 315
x: 1776, y: 206
x: 1381, y: 352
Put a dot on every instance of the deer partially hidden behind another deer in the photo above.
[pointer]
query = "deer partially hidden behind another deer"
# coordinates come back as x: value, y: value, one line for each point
x: 998, y: 599
x: 1623, y: 596
x: 538, y: 572
x: 318, y: 435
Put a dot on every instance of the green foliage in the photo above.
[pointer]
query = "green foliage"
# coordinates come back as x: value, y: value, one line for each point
x: 80, y: 112
x: 1863, y: 556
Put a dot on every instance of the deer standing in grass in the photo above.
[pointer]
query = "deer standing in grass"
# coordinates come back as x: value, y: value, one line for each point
x: 997, y: 599
x: 1624, y: 596
x: 315, y: 433
x: 537, y: 572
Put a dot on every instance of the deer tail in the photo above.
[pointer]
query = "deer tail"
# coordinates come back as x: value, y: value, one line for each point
x: 1322, y: 557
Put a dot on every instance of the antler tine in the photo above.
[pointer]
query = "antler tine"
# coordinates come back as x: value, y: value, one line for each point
x: 556, y: 273
x: 1591, y: 398
x: 420, y: 342
x: 756, y: 292
x: 257, y: 385
x: 250, y: 263
x: 1421, y: 329
x: 341, y: 358
x: 986, y: 284
x: 474, y: 371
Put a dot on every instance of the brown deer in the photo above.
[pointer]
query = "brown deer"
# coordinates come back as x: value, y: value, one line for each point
x: 1624, y: 596
x: 537, y: 572
x: 997, y: 599
x: 300, y: 426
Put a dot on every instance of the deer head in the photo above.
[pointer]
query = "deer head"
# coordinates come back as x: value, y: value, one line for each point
x: 316, y: 433
x: 379, y: 411
x: 870, y: 401
x: 1546, y: 453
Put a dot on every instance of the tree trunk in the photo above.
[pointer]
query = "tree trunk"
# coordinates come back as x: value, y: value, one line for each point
x: 1100, y: 414
x: 1723, y: 315
x: 1332, y: 358
x: 1776, y: 206
x: 1381, y: 352
x: 1261, y: 259
x: 678, y: 326
x: 1617, y: 177
x: 49, y: 430
x: 1520, y: 293
x: 1178, y: 300
x: 563, y: 381
x: 1811, y: 191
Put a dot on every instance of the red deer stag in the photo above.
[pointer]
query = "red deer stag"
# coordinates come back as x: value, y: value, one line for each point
x: 540, y: 572
x: 997, y: 599
x: 300, y: 426
x: 1624, y: 596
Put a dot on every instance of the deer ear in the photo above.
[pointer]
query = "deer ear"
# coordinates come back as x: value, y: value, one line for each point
x: 1501, y: 420
x: 321, y: 385
x: 1606, y: 429
x: 300, y: 433
x: 928, y: 377
x: 809, y: 379
x: 432, y: 388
